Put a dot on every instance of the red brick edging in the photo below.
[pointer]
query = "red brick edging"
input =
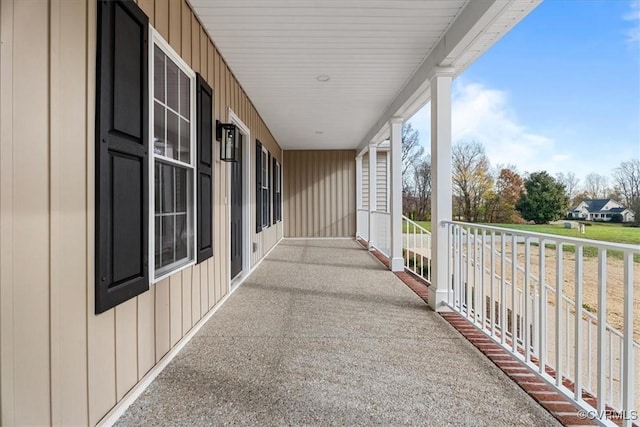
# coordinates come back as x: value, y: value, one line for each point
x: 553, y: 401
x: 409, y: 279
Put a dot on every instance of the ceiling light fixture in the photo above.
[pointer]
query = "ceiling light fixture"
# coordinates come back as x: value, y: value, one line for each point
x: 323, y: 78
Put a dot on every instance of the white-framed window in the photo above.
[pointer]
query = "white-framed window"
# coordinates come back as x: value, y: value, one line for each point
x: 277, y: 192
x: 172, y: 196
x: 265, y: 188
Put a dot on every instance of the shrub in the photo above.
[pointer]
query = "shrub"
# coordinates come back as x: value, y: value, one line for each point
x: 617, y: 218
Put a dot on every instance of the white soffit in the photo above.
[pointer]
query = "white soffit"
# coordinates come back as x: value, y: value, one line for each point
x: 370, y: 49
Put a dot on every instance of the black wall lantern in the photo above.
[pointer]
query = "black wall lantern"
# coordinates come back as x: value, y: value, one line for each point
x: 227, y: 134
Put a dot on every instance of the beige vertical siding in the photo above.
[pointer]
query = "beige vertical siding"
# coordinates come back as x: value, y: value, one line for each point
x: 319, y: 193
x: 382, y: 179
x: 26, y: 234
x: 59, y: 362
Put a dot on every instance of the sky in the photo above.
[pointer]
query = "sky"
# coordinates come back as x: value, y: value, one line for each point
x: 560, y: 92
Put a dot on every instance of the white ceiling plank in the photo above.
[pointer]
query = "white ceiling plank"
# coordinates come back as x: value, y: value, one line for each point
x: 372, y: 21
x: 382, y: 4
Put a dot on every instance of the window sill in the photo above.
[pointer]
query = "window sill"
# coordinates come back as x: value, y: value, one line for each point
x: 172, y: 272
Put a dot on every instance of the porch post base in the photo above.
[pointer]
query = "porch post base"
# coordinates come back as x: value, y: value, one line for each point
x: 438, y: 299
x: 397, y: 264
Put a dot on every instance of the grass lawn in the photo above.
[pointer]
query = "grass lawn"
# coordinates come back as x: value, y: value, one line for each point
x: 616, y: 233
x: 425, y: 224
x: 607, y: 232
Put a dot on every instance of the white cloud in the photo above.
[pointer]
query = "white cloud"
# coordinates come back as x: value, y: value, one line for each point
x: 484, y: 115
x: 633, y: 15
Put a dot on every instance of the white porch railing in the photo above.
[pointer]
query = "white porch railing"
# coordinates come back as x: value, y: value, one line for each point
x: 416, y: 248
x: 559, y: 338
x: 363, y: 224
x: 382, y: 238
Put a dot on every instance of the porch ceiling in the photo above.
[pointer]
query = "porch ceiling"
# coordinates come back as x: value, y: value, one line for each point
x: 378, y: 55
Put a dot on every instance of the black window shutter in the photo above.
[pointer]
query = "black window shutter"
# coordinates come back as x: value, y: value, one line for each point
x: 274, y: 200
x: 258, y: 186
x: 122, y: 154
x: 269, y: 188
x: 204, y: 117
x: 280, y: 196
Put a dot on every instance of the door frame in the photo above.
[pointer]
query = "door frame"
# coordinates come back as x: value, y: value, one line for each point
x: 246, y: 208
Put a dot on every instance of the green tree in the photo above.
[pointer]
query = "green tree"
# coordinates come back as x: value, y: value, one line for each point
x: 627, y: 178
x: 501, y: 205
x: 544, y: 199
x: 472, y: 180
x: 412, y: 152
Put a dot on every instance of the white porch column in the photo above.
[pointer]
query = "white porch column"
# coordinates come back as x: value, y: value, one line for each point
x: 397, y: 261
x: 358, y: 194
x: 441, y: 198
x: 373, y: 148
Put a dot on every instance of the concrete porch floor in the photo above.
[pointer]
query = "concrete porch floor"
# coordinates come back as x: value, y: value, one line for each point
x: 322, y: 334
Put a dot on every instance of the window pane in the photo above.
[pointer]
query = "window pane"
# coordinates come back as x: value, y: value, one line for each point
x: 185, y: 95
x: 265, y: 173
x: 265, y: 207
x: 185, y: 142
x: 172, y: 84
x: 172, y: 135
x: 167, y: 248
x: 182, y: 190
x: 158, y: 74
x: 167, y: 196
x: 158, y: 236
x: 182, y: 237
x: 157, y: 182
x: 158, y: 129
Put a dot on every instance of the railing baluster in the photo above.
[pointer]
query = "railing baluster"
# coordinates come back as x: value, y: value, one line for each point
x: 589, y: 355
x: 559, y: 328
x: 449, y: 264
x: 567, y: 338
x: 602, y: 326
x: 480, y: 292
x: 415, y: 268
x: 492, y: 272
x: 578, y: 327
x: 474, y: 288
x: 542, y: 306
x: 627, y: 352
x: 457, y: 268
x: 421, y: 255
x: 503, y: 289
x: 468, y: 295
x: 514, y: 293
x: 527, y: 289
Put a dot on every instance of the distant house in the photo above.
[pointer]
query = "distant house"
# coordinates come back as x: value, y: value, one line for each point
x: 601, y: 210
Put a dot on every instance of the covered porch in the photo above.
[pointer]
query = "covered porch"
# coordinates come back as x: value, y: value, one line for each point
x: 321, y: 333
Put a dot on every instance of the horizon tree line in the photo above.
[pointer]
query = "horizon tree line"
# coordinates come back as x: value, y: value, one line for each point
x: 498, y: 194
